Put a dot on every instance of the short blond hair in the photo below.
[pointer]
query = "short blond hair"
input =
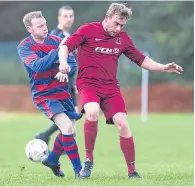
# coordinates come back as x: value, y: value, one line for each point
x: 31, y: 15
x: 120, y: 9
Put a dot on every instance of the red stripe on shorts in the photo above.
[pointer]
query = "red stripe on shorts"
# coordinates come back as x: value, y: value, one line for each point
x: 46, y: 108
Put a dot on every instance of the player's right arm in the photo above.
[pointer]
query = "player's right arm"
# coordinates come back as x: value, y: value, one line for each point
x: 34, y: 62
x: 73, y: 42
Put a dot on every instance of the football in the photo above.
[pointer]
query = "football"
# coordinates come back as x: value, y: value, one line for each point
x: 36, y: 150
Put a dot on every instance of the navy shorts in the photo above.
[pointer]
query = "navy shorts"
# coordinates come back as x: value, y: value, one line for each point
x: 52, y: 107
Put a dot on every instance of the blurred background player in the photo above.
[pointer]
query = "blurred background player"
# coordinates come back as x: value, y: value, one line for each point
x: 65, y: 22
x: 39, y: 54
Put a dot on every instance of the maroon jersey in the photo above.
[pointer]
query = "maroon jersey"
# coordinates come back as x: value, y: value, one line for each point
x: 98, y: 54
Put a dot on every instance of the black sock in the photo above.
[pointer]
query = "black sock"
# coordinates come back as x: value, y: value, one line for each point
x: 51, y: 130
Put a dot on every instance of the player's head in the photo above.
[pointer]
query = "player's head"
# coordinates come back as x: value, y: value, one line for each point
x: 36, y: 24
x: 66, y: 17
x: 116, y: 18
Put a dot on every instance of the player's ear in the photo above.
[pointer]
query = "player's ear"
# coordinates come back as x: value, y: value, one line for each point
x: 106, y: 18
x: 29, y: 29
x: 58, y: 18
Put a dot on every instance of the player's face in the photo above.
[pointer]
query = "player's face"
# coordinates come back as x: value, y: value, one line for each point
x: 38, y: 28
x: 66, y: 18
x: 114, y: 24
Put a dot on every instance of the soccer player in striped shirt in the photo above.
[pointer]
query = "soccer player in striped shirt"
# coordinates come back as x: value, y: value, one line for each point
x: 39, y: 54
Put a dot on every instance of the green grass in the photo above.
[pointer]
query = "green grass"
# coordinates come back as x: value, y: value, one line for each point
x: 164, y: 152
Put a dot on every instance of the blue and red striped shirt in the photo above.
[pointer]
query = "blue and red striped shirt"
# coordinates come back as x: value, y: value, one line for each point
x: 41, y: 63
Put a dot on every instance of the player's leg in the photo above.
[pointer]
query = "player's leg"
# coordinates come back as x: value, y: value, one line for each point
x: 90, y: 102
x: 69, y: 144
x: 56, y: 151
x: 126, y: 142
x: 90, y: 127
x: 48, y: 107
x: 60, y: 112
x: 45, y: 136
x: 116, y: 114
x: 52, y: 161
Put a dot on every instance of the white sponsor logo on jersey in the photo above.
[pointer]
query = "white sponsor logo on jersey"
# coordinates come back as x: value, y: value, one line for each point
x: 107, y: 50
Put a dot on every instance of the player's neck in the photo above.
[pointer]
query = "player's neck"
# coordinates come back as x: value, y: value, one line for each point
x: 104, y: 25
x: 63, y: 29
x: 38, y: 40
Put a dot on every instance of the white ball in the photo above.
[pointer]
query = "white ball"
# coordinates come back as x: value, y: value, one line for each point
x: 36, y: 150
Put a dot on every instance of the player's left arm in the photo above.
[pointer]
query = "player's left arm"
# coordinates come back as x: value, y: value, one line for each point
x: 150, y: 64
x: 147, y: 63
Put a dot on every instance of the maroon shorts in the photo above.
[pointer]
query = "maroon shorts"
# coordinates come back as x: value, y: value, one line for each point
x: 110, y: 103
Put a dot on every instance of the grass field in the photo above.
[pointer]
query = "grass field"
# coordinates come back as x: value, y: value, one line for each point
x: 164, y: 153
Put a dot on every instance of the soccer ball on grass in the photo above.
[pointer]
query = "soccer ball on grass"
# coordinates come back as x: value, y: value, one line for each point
x: 36, y: 150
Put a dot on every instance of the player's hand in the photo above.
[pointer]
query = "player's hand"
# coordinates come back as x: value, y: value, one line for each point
x: 64, y: 68
x: 62, y: 77
x: 172, y: 67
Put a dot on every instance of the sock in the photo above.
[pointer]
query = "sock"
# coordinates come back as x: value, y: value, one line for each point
x: 70, y: 146
x: 90, y: 133
x: 127, y: 147
x: 57, y: 151
x: 51, y: 130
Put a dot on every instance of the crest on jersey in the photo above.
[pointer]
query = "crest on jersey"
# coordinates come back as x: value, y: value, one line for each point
x: 116, y: 50
x: 118, y: 40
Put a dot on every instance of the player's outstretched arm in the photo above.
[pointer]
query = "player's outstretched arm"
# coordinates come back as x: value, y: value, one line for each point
x: 63, y: 55
x: 147, y: 63
x: 69, y: 45
x: 64, y: 67
x: 37, y: 64
x: 150, y: 64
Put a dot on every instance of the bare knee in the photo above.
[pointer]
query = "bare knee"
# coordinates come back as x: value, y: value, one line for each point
x: 121, y: 124
x: 92, y: 115
x: 63, y: 123
x: 92, y: 110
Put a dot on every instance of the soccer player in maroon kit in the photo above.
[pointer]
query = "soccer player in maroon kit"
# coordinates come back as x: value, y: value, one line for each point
x: 100, y: 45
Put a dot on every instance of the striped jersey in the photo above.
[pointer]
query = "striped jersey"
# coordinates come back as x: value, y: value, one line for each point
x: 41, y: 62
